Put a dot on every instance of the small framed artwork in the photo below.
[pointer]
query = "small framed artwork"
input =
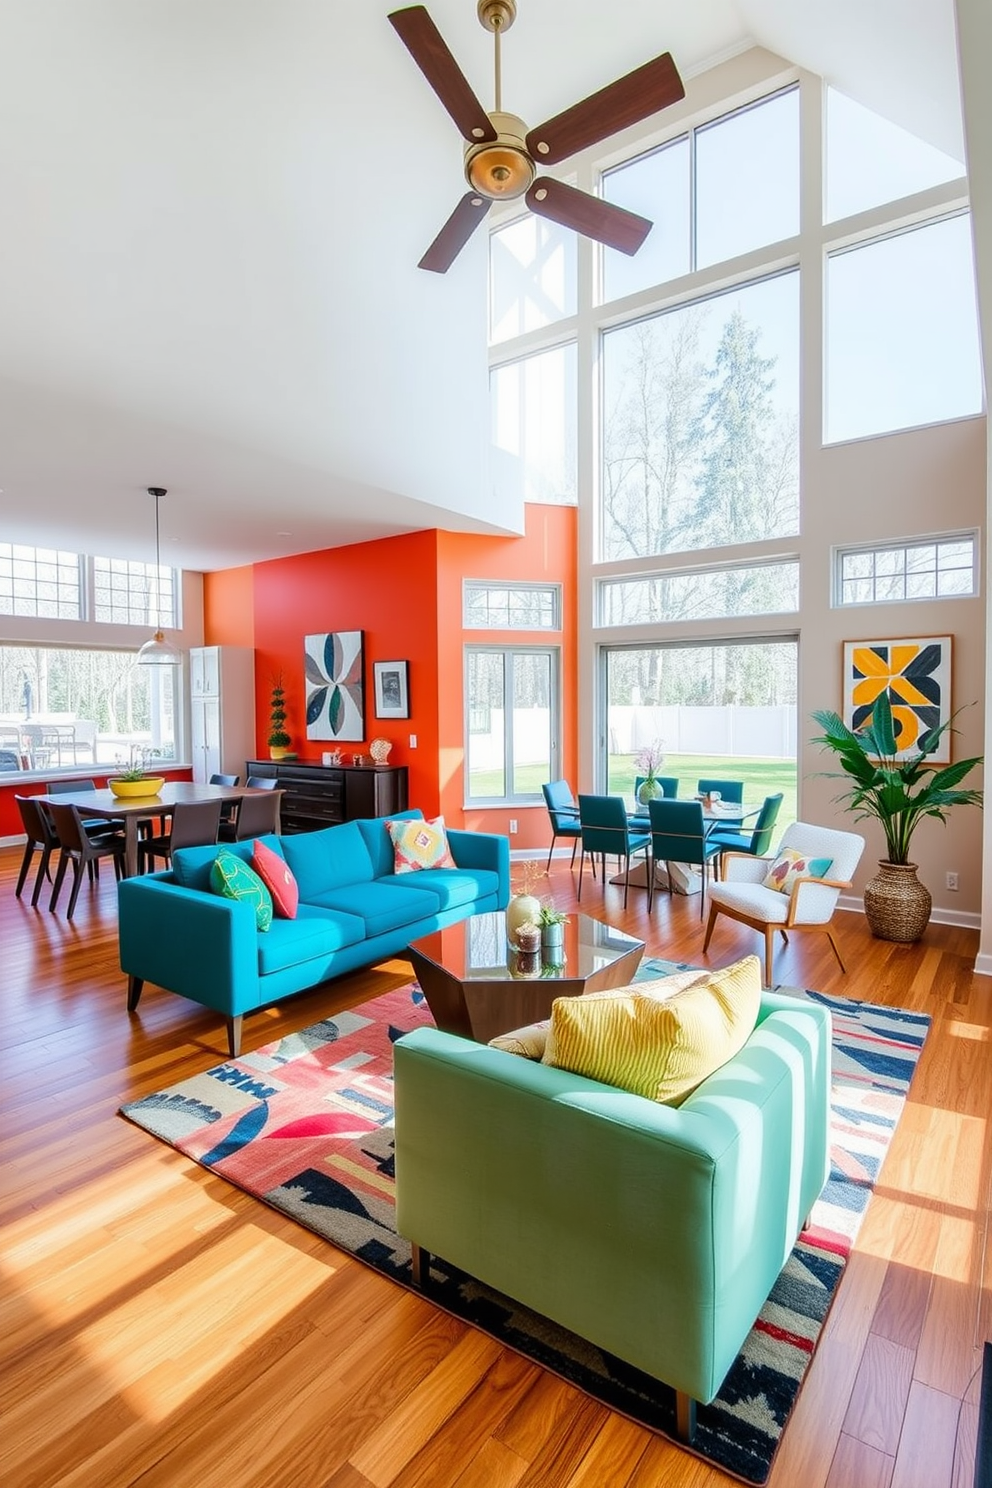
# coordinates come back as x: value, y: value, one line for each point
x: 392, y: 689
x: 334, y: 670
x: 916, y: 675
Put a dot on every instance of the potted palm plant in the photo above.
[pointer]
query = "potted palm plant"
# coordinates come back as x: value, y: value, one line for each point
x: 898, y: 793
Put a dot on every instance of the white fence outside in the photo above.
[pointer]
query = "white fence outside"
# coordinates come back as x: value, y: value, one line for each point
x: 765, y: 733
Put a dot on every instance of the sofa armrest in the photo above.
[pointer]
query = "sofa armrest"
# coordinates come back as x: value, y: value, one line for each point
x: 200, y: 945
x: 483, y: 850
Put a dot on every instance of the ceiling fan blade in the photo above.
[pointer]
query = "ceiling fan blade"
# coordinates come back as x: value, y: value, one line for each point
x: 627, y: 101
x: 429, y: 50
x: 455, y: 233
x: 590, y: 215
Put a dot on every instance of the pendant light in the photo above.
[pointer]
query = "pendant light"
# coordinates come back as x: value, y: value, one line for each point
x: 158, y: 651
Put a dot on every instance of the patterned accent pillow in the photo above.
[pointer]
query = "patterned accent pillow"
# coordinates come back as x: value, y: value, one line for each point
x: 660, y: 1047
x: 233, y: 878
x: 420, y: 844
x: 790, y: 865
x: 274, y: 872
x: 530, y: 1041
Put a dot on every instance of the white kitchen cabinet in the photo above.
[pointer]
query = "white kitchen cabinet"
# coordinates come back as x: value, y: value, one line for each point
x: 222, y: 710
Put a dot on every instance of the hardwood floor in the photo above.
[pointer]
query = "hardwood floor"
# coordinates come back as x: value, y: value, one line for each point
x: 159, y: 1327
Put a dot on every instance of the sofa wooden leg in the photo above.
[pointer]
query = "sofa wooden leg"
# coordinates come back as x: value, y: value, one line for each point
x: 234, y: 1036
x: 134, y: 986
x: 420, y: 1265
x: 685, y: 1416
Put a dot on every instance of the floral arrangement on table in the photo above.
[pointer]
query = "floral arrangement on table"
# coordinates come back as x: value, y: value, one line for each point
x: 647, y: 762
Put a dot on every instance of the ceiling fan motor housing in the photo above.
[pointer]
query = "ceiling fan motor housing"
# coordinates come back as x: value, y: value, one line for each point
x: 501, y: 169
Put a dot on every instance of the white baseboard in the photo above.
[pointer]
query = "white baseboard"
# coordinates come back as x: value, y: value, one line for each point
x: 964, y: 919
x: 13, y: 841
x: 983, y: 965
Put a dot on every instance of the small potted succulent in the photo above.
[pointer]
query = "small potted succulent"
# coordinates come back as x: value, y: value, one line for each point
x: 133, y: 779
x: 552, y: 922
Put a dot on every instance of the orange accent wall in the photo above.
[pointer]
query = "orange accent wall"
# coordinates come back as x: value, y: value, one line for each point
x: 405, y: 593
x: 229, y: 607
x: 546, y: 553
x: 386, y: 589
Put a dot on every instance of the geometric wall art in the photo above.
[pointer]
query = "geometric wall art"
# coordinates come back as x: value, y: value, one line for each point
x: 334, y: 668
x: 916, y: 675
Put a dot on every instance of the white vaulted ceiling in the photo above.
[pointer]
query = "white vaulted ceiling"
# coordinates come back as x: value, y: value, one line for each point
x: 212, y: 213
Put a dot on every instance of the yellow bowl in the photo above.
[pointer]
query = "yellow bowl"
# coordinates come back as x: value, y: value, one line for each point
x: 150, y: 786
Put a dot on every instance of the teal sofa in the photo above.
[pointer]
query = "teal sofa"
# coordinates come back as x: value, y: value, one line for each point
x: 655, y: 1232
x: 354, y: 911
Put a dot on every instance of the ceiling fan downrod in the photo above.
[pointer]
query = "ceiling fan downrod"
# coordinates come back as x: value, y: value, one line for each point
x: 497, y: 16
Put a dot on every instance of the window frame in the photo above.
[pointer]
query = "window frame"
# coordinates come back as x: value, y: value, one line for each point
x: 531, y: 586
x: 509, y: 651
x: 904, y: 545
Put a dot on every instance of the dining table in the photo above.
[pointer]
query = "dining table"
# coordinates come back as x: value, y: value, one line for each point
x: 133, y: 810
x: 715, y: 814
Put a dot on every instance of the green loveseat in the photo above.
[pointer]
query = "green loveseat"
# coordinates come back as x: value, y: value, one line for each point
x: 354, y: 911
x: 655, y: 1232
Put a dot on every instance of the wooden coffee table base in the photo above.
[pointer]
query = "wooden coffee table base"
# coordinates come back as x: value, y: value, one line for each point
x: 481, y: 1009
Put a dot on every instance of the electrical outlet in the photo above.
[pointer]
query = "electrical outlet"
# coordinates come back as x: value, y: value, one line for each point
x: 952, y: 880
x: 513, y: 823
x: 413, y: 741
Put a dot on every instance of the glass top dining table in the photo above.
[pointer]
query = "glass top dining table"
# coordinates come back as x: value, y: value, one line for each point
x: 731, y: 814
x: 133, y: 810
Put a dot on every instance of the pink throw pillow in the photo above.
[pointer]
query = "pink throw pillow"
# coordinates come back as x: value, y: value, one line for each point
x: 274, y: 873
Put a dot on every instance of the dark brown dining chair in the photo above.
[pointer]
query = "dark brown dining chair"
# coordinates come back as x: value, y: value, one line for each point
x: 77, y: 847
x: 229, y: 809
x: 194, y: 824
x: 41, y: 836
x: 256, y: 816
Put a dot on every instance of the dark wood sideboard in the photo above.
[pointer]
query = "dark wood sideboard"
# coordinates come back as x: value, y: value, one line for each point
x: 320, y: 795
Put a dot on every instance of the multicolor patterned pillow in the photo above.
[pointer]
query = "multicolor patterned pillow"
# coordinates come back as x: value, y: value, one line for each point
x: 274, y: 872
x: 790, y: 865
x: 654, y: 1045
x: 233, y: 878
x: 420, y: 844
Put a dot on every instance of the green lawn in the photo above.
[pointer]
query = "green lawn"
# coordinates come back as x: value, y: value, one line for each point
x: 761, y: 777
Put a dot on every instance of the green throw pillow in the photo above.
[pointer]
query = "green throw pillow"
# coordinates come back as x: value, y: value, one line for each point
x: 231, y: 877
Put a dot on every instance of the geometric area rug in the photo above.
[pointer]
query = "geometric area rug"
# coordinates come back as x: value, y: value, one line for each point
x: 305, y: 1125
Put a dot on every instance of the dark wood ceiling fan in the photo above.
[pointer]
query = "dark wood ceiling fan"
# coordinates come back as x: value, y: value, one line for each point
x: 502, y: 154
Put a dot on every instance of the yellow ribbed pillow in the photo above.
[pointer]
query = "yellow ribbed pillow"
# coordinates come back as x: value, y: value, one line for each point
x: 656, y: 1045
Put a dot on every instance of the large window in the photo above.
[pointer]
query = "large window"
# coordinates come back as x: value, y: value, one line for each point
x: 531, y: 276
x: 706, y: 594
x: 513, y: 729
x: 533, y: 413
x: 725, y: 711
x: 62, y: 708
x: 902, y: 332
x: 729, y: 187
x: 50, y: 584
x: 701, y: 424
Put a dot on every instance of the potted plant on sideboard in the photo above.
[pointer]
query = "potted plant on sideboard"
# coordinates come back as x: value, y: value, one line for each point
x: 278, y: 741
x: 898, y: 793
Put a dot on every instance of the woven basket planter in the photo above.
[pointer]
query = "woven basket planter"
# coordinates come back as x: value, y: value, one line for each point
x: 897, y: 905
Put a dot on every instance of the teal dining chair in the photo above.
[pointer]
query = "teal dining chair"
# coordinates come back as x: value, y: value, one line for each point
x: 678, y: 835
x: 757, y: 841
x: 730, y: 790
x: 563, y: 813
x: 606, y: 830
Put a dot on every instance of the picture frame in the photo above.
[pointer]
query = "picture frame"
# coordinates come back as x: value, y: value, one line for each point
x: 334, y: 669
x: 915, y: 671
x: 392, y: 689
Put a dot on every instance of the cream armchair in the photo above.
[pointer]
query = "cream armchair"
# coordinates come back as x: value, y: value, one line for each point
x: 742, y: 896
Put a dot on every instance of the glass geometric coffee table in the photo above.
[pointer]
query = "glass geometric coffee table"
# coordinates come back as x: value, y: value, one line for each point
x: 478, y: 985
